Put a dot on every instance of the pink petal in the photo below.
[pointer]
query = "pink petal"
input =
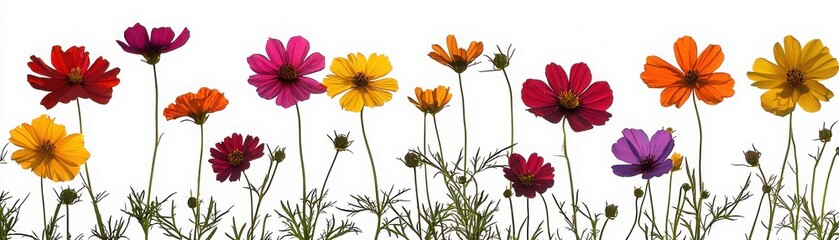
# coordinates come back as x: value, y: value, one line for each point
x: 298, y: 48
x: 260, y: 64
x: 276, y: 51
x: 137, y: 37
x: 127, y: 48
x: 312, y: 64
x: 285, y: 98
x: 161, y: 37
x: 179, y: 42
x: 311, y: 85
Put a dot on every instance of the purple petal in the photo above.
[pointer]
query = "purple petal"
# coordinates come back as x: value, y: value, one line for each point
x: 276, y: 51
x: 137, y: 37
x: 660, y: 169
x: 298, y: 48
x: 623, y: 151
x: 127, y: 48
x: 638, y: 141
x: 661, y: 144
x: 260, y: 64
x: 627, y: 170
x: 161, y: 37
x: 311, y: 85
x: 312, y: 64
x: 179, y: 42
x: 266, y: 85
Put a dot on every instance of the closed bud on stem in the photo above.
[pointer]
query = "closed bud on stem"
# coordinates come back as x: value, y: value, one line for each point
x: 705, y: 194
x: 752, y: 157
x: 412, y: 160
x: 508, y: 193
x: 611, y: 211
x: 638, y: 193
x: 767, y: 189
x: 279, y: 155
x: 826, y: 133
x: 68, y: 196
x: 341, y: 141
x: 192, y: 202
x: 461, y: 179
x: 686, y: 187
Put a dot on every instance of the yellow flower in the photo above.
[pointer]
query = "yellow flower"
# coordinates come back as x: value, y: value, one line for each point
x: 795, y: 76
x: 677, y: 161
x: 48, y: 150
x: 431, y: 100
x: 361, y: 78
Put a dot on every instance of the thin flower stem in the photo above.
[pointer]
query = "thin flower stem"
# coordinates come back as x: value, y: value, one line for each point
x: 512, y: 217
x: 419, y: 212
x: 754, y: 223
x: 829, y: 171
x: 375, y: 178
x: 300, y: 144
x: 465, y: 136
x: 652, y: 206
x: 776, y: 196
x: 528, y: 219
x: 603, y: 229
x: 547, y: 215
x: 43, y: 204
x: 198, y: 181
x: 512, y: 125
x: 813, y: 180
x: 669, y: 196
x: 570, y: 180
x: 797, y: 184
x: 67, y: 220
x: 425, y: 153
x: 680, y: 203
x: 701, y: 184
x: 437, y: 131
x: 636, y: 217
x: 89, y: 183
x: 156, y: 139
x: 323, y: 186
x: 250, y: 203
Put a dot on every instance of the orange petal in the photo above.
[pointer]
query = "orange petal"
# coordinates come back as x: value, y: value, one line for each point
x: 658, y: 73
x: 710, y: 60
x: 685, y: 49
x: 675, y: 95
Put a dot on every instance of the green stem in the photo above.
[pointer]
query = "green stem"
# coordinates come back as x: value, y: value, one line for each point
x: 419, y: 211
x: 465, y: 136
x: 425, y: 153
x: 797, y: 185
x: 323, y: 186
x: 198, y: 181
x: 375, y: 177
x: 89, y: 184
x: 67, y: 219
x: 43, y: 206
x: 156, y: 138
x: 300, y: 144
x: 437, y: 131
x: 603, y: 229
x: 669, y: 196
x: 512, y: 125
x: 813, y: 180
x: 250, y: 203
x: 528, y: 219
x: 680, y: 203
x: 547, y: 216
x: 652, y: 206
x: 512, y: 217
x: 776, y: 196
x: 570, y: 179
x: 701, y: 184
x: 829, y: 171
x: 754, y: 223
x: 637, y: 216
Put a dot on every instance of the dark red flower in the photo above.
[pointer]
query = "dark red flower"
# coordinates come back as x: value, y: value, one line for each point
x: 73, y: 77
x: 583, y: 105
x: 233, y: 155
x: 529, y: 177
x: 162, y: 40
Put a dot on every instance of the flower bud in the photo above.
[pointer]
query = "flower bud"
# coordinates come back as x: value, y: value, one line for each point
x: 825, y: 135
x: 341, y: 142
x: 412, y: 160
x: 767, y: 189
x: 677, y: 162
x: 279, y: 155
x: 500, y: 61
x: 705, y: 194
x: 670, y: 130
x: 752, y: 157
x: 192, y: 202
x: 461, y: 179
x: 686, y: 187
x: 68, y: 196
x: 638, y: 193
x: 611, y: 211
x: 508, y: 193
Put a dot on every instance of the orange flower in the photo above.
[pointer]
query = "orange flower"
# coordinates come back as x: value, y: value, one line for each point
x: 196, y: 105
x: 696, y: 74
x: 458, y: 59
x: 431, y: 100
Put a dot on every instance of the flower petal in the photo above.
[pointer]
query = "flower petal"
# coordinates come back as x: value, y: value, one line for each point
x: 685, y: 49
x: 580, y: 77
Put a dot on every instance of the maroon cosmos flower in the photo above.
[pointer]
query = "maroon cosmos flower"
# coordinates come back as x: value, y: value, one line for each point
x: 137, y: 41
x: 233, y: 155
x: 282, y: 75
x: 583, y: 105
x: 529, y: 177
x: 73, y: 77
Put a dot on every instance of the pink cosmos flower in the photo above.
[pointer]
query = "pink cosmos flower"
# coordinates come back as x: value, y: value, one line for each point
x: 233, y: 156
x: 529, y: 177
x: 282, y: 74
x: 161, y: 41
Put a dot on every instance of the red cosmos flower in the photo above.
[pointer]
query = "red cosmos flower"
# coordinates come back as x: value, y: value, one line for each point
x: 583, y: 105
x: 233, y: 155
x: 162, y: 40
x: 529, y: 177
x: 73, y: 77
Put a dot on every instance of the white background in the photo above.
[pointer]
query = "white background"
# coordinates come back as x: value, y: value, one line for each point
x: 612, y: 37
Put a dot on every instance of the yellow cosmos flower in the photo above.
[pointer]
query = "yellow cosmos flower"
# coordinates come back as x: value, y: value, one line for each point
x: 362, y: 79
x: 48, y: 150
x: 431, y: 100
x: 677, y: 161
x: 794, y: 77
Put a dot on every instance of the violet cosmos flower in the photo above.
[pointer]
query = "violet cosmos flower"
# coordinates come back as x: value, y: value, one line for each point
x: 162, y: 40
x: 645, y: 156
x: 282, y: 74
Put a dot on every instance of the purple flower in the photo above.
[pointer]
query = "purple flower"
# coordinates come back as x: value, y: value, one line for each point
x: 645, y: 156
x: 162, y: 40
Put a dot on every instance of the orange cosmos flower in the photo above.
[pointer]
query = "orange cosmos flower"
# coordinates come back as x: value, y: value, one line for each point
x: 431, y: 100
x: 458, y: 59
x: 196, y: 105
x: 695, y: 74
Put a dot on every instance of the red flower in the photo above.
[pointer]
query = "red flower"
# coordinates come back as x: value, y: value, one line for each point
x: 73, y: 77
x: 162, y: 40
x: 233, y: 155
x: 583, y: 105
x: 529, y: 177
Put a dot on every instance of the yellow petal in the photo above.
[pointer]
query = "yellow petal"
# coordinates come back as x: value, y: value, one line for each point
x: 358, y: 63
x: 809, y: 103
x: 772, y: 102
x: 378, y: 97
x: 780, y: 57
x: 351, y: 101
x: 24, y: 136
x: 71, y: 151
x: 767, y: 84
x: 813, y: 50
x: 377, y: 66
x: 336, y: 85
x: 818, y: 90
x: 342, y: 68
x: 757, y: 76
x: 792, y: 50
x: 388, y: 84
x: 24, y: 155
x: 762, y: 65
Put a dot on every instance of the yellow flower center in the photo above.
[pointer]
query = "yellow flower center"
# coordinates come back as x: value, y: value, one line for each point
x: 76, y: 76
x: 360, y: 80
x: 47, y: 147
x: 795, y: 77
x: 287, y: 73
x: 569, y: 100
x: 527, y: 179
x: 691, y: 77
x: 236, y: 157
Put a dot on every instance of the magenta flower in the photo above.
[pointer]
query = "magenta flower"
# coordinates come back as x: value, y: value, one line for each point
x: 645, y: 156
x: 573, y: 97
x: 161, y: 41
x: 529, y: 177
x: 282, y: 74
x: 233, y: 155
